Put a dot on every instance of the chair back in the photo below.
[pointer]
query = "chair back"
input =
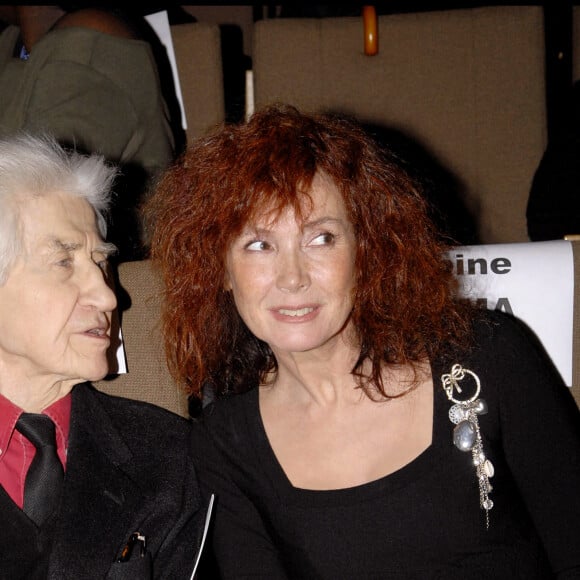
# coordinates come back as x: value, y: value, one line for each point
x: 466, y: 85
x: 198, y: 56
x: 139, y: 293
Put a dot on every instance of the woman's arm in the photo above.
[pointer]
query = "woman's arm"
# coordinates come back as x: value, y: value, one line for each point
x: 540, y: 425
x: 239, y: 540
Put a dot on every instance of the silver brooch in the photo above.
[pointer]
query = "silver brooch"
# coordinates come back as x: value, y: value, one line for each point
x: 466, y: 434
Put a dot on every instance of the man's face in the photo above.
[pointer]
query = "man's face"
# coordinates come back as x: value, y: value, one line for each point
x: 55, y: 307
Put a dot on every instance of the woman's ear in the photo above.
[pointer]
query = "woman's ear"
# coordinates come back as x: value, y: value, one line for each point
x: 227, y: 282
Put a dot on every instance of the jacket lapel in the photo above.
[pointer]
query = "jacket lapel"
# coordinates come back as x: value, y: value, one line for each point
x: 102, y: 493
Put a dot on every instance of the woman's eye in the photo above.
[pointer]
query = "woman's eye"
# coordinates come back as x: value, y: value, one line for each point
x: 65, y: 263
x: 323, y: 239
x: 258, y: 246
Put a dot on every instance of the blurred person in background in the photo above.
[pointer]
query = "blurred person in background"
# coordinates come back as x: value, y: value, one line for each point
x: 87, y: 75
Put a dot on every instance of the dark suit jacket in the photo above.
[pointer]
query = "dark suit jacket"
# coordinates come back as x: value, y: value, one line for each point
x: 128, y: 470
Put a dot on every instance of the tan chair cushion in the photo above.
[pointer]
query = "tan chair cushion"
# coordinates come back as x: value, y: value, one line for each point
x: 147, y: 378
x: 468, y: 85
x: 198, y: 57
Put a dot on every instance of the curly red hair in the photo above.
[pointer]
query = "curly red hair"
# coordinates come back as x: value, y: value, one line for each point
x: 404, y: 305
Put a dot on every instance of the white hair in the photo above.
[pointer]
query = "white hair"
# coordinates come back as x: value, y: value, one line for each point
x: 36, y: 165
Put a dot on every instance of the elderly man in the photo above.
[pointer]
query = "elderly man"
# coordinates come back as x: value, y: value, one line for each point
x: 91, y: 486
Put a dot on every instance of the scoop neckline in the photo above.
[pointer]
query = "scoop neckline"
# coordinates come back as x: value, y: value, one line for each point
x: 418, y: 467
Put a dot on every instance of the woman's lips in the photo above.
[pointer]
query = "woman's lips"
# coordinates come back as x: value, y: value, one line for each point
x: 295, y: 313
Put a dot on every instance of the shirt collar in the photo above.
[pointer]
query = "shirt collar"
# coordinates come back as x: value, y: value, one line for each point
x: 59, y: 412
x: 9, y: 414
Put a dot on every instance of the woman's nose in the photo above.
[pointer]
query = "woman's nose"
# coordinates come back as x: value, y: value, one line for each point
x: 293, y: 274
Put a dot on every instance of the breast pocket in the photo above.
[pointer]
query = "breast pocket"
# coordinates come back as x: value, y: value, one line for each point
x: 139, y: 568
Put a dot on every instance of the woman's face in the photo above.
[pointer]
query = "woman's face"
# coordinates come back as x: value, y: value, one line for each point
x: 292, y: 281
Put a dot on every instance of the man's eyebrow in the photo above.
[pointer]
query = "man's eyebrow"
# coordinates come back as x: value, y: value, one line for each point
x: 106, y: 248
x: 56, y: 244
x: 103, y: 248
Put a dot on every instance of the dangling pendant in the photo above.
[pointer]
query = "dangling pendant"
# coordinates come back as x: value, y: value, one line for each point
x: 457, y: 413
x: 488, y: 468
x: 466, y: 434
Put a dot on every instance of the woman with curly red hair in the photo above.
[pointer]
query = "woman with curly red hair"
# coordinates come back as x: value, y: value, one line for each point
x: 361, y: 411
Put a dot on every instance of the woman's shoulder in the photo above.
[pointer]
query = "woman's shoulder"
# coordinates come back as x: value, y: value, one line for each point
x: 509, y: 353
x: 231, y: 411
x: 495, y: 328
x: 502, y: 344
x: 228, y: 425
x: 236, y: 405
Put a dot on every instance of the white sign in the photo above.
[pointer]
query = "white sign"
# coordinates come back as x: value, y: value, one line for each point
x: 533, y: 281
x: 160, y: 24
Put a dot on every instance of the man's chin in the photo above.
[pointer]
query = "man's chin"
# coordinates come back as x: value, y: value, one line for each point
x: 96, y: 374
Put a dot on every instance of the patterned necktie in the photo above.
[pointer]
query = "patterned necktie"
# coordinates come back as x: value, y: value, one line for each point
x: 44, y: 478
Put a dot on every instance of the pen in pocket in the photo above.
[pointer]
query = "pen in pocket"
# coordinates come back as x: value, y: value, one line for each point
x: 136, y: 538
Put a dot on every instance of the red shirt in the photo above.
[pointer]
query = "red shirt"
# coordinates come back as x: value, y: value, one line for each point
x: 17, y: 453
